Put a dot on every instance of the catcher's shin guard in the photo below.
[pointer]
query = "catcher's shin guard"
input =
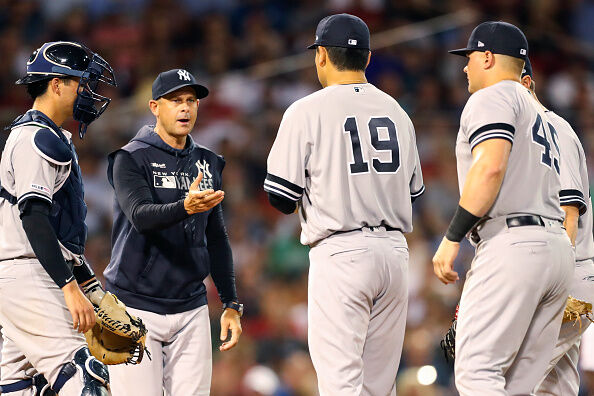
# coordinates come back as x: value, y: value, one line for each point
x: 94, y: 374
x: 38, y: 382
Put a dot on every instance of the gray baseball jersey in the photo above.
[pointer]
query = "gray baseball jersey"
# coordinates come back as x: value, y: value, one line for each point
x: 26, y: 171
x: 514, y: 115
x: 562, y: 375
x: 348, y: 154
x: 518, y: 282
x: 575, y: 187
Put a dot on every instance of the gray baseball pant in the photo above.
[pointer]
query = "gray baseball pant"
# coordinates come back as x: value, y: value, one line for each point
x: 358, y: 295
x: 36, y: 326
x: 562, y: 376
x: 180, y: 348
x: 511, y: 307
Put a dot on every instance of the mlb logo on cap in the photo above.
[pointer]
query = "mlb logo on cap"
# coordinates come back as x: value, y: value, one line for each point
x: 342, y: 30
x: 499, y: 38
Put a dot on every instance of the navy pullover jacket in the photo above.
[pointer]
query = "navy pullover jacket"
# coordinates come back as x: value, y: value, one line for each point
x: 160, y: 254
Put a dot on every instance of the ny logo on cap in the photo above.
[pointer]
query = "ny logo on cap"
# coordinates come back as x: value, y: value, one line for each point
x: 352, y: 42
x: 522, y: 51
x: 183, y: 74
x: 480, y: 44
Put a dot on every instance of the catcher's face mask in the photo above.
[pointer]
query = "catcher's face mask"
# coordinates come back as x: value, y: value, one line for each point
x: 89, y: 105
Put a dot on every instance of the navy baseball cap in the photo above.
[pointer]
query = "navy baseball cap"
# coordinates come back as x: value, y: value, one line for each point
x: 174, y: 79
x: 499, y: 38
x: 342, y: 30
x: 527, y: 70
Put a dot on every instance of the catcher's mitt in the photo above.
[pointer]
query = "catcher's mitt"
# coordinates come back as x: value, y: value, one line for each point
x: 117, y: 337
x: 575, y: 309
x: 448, y: 343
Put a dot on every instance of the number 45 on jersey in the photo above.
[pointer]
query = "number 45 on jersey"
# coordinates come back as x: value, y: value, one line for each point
x: 542, y: 140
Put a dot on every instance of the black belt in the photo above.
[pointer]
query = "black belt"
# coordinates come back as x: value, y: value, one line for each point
x: 388, y: 228
x: 527, y: 220
x: 7, y: 196
x: 515, y: 221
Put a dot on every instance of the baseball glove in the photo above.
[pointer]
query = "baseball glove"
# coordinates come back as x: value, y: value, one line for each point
x: 448, y: 343
x: 117, y: 337
x: 575, y: 309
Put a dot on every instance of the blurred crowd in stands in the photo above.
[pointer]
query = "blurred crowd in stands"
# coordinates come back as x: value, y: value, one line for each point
x: 218, y: 41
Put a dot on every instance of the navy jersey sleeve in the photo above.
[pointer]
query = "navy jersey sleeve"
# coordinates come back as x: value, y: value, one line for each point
x: 41, y: 235
x: 284, y: 205
x: 219, y: 248
x: 221, y: 258
x: 134, y: 197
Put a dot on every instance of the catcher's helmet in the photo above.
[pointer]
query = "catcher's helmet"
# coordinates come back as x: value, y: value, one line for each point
x: 63, y: 58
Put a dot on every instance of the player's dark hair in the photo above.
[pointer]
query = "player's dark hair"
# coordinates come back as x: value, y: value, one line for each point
x: 348, y: 59
x: 38, y: 88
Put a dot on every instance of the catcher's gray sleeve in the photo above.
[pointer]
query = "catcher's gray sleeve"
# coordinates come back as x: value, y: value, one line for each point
x: 36, y: 162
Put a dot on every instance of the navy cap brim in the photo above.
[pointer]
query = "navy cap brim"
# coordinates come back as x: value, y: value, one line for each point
x: 201, y: 90
x: 461, y: 51
x: 32, y: 78
x: 315, y: 45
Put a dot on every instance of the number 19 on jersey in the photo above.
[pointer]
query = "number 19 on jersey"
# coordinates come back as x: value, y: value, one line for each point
x: 390, y: 145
